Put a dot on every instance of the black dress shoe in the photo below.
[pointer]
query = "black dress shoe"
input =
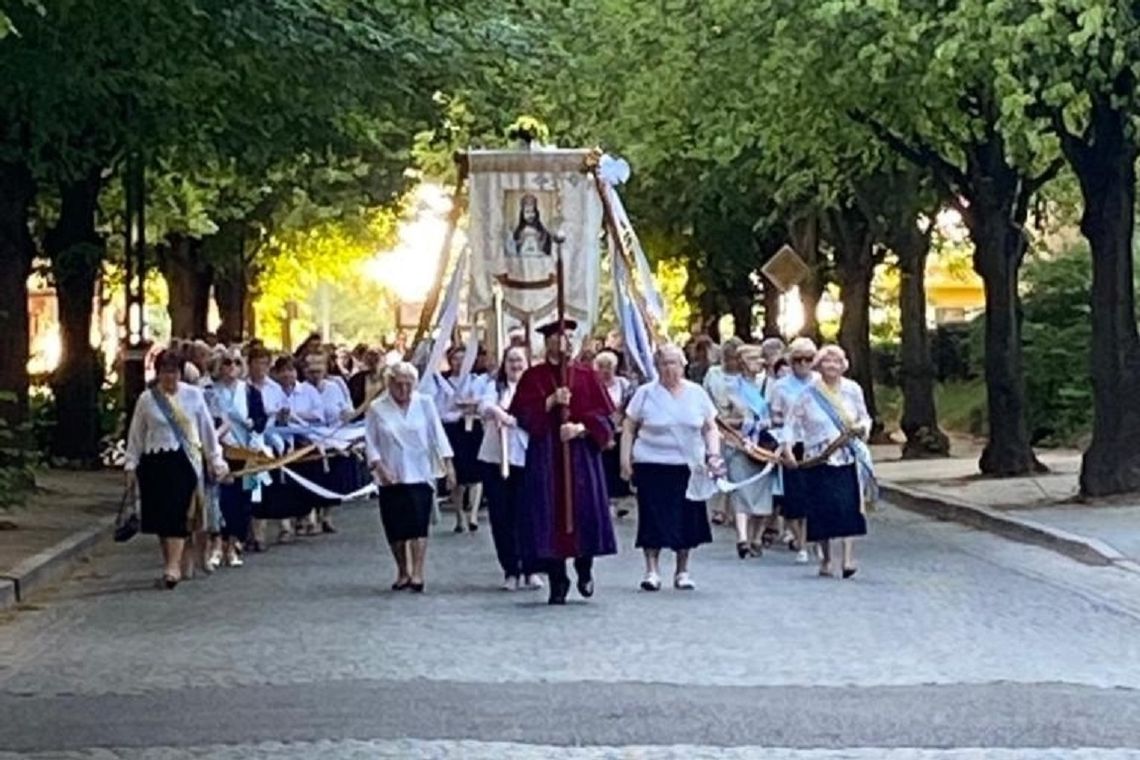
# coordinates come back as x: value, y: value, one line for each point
x: 401, y: 585
x: 328, y: 527
x: 849, y: 571
x: 586, y: 586
x: 559, y: 588
x: 416, y: 588
x: 742, y: 549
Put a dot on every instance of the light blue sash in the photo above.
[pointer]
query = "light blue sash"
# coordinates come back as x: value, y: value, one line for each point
x: 856, y: 446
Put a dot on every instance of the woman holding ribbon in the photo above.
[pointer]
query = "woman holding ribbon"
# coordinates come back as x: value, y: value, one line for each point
x: 830, y: 418
x: 746, y: 411
x: 238, y: 411
x: 171, y: 446
x: 669, y: 435
x: 503, y: 481
x: 786, y: 392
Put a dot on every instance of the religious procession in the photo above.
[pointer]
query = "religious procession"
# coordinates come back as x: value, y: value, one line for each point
x: 236, y: 449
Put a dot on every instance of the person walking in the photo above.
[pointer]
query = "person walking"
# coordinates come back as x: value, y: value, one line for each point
x: 833, y: 408
x: 171, y: 449
x: 670, y: 430
x: 505, y: 496
x: 620, y: 390
x: 564, y: 521
x: 407, y: 452
x: 786, y: 391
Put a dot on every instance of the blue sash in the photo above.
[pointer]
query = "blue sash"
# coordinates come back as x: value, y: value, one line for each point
x: 163, y: 405
x: 856, y: 446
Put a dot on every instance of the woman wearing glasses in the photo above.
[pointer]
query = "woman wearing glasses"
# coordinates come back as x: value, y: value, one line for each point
x: 785, y: 392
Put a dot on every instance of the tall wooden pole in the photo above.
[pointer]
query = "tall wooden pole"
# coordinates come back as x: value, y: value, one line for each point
x: 564, y: 382
x: 457, y: 203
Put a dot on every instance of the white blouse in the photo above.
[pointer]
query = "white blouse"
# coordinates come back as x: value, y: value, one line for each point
x: 150, y: 432
x: 449, y: 393
x: 491, y: 450
x: 304, y: 404
x: 785, y: 392
x: 335, y: 402
x: 810, y: 424
x: 410, y: 442
x: 272, y: 397
x: 669, y: 428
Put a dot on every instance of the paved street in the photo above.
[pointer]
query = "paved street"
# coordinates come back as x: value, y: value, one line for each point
x: 947, y: 638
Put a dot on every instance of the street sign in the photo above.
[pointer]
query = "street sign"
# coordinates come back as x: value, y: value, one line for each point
x: 785, y: 269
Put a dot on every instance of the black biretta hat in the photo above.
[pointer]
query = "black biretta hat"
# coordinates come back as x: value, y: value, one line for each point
x: 550, y: 328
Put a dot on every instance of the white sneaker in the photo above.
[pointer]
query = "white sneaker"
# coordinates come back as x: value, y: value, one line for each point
x: 234, y: 560
x: 533, y: 583
x: 682, y: 582
x: 802, y: 557
x: 214, y: 561
x: 651, y: 582
x: 510, y: 584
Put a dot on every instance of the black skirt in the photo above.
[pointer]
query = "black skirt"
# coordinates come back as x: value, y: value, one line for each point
x: 794, y: 504
x: 465, y: 445
x: 611, y: 462
x: 405, y: 511
x: 167, y: 484
x: 835, y: 504
x: 665, y: 518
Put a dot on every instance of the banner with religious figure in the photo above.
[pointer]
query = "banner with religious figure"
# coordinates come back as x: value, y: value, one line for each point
x: 520, y: 202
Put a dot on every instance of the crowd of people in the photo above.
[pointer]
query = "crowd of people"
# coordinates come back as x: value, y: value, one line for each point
x: 231, y: 444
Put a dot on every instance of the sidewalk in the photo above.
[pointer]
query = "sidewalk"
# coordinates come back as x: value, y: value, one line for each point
x: 43, y: 540
x: 1039, y: 509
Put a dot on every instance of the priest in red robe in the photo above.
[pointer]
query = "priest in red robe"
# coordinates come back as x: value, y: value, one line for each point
x: 552, y: 531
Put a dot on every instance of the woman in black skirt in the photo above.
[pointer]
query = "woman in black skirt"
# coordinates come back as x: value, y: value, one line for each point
x: 170, y: 445
x: 833, y: 406
x: 670, y: 427
x: 620, y: 390
x: 407, y: 452
x: 785, y: 393
x: 457, y: 401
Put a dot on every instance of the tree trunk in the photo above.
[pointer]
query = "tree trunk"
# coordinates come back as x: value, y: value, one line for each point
x: 853, y: 242
x: 804, y: 232
x: 919, y: 415
x: 17, y: 249
x: 230, y: 295
x: 1107, y: 174
x: 771, y: 311
x: 998, y: 250
x: 188, y: 282
x: 741, y: 309
x: 76, y: 251
x: 905, y: 200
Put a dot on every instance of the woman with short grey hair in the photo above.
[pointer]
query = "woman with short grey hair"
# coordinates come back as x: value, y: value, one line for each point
x: 408, y: 452
x: 669, y: 431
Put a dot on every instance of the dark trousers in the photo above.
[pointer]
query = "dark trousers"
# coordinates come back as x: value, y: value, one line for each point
x: 503, y: 503
x: 556, y: 568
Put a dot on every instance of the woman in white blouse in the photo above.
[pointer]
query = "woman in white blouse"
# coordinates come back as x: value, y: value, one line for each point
x: 504, y: 495
x: 832, y: 406
x: 407, y: 453
x: 171, y: 445
x: 669, y: 431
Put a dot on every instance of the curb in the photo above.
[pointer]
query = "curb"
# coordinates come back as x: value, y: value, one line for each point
x: 1090, y: 551
x: 51, y: 565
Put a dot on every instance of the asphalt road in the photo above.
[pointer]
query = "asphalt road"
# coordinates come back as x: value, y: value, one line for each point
x: 948, y: 644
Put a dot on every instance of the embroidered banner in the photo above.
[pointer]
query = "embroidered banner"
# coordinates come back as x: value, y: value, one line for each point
x: 519, y: 202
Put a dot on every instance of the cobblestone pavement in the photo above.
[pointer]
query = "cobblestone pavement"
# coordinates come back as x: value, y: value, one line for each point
x: 947, y: 638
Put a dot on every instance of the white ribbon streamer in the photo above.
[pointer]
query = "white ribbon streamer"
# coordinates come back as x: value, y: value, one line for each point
x: 325, y: 493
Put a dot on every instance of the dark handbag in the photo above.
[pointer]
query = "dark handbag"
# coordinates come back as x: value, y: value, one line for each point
x: 126, y: 528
